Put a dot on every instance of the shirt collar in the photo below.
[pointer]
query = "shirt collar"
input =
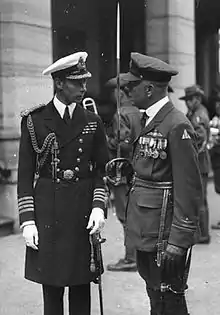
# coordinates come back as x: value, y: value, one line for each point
x: 61, y: 107
x: 154, y: 109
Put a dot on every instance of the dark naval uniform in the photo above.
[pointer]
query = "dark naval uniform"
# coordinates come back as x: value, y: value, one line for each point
x: 60, y: 208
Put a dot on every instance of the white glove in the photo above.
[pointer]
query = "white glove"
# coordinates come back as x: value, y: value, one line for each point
x: 30, y: 235
x: 96, y: 220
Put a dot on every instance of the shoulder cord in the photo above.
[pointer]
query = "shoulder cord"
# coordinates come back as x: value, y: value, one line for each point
x: 47, y: 144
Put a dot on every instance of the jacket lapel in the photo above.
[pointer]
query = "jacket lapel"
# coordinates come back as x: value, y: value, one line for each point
x: 159, y: 117
x: 76, y: 126
x: 65, y: 133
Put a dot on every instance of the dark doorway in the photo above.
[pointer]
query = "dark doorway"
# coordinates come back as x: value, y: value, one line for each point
x: 91, y: 26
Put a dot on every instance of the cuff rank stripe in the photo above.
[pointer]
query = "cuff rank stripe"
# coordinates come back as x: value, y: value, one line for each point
x: 99, y: 194
x: 25, y: 204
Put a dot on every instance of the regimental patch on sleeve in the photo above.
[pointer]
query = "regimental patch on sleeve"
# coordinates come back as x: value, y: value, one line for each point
x: 185, y: 135
x: 27, y: 111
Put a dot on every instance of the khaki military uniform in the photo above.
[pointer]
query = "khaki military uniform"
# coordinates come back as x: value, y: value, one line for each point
x: 200, y: 121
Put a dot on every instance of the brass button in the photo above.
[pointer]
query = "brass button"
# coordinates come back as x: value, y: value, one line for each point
x: 58, y: 169
x: 78, y: 160
x: 76, y: 169
x: 77, y: 179
x: 80, y: 150
x: 80, y: 140
x: 58, y: 180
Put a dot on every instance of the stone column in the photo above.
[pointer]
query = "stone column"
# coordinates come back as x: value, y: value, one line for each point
x: 170, y: 36
x: 25, y: 50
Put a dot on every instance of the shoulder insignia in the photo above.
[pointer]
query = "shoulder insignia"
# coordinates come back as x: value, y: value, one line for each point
x: 185, y: 135
x: 27, y: 111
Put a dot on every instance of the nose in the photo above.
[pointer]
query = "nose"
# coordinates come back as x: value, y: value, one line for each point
x: 83, y: 87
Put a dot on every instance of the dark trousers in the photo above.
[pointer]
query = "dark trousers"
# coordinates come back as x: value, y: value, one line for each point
x: 162, y: 303
x: 204, y: 210
x: 120, y: 193
x: 79, y: 300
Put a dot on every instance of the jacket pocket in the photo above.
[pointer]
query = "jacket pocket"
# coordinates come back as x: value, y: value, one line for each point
x: 149, y: 198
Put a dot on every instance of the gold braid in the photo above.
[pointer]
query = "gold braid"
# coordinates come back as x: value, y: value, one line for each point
x: 47, y: 144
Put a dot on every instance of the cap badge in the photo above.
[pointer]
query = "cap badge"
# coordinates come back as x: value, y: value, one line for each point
x: 81, y: 64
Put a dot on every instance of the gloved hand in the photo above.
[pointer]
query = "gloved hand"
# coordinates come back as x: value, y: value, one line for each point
x: 171, y: 258
x: 30, y: 235
x: 96, y: 220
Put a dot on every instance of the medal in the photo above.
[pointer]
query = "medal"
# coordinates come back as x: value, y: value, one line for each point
x: 155, y: 154
x: 163, y: 155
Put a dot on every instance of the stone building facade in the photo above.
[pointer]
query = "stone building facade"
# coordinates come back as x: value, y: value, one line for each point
x: 34, y: 33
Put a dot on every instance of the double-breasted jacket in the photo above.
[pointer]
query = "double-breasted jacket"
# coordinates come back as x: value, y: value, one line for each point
x: 69, y: 161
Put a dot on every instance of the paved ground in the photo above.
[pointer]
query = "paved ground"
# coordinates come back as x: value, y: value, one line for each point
x: 124, y: 293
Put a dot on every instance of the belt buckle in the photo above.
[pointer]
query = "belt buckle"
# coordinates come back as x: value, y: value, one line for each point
x: 68, y: 174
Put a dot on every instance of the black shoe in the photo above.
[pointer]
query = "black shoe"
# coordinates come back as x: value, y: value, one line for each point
x: 204, y: 240
x: 123, y: 265
x: 216, y: 226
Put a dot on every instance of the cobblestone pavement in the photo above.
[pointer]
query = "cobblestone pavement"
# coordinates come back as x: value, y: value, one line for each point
x: 124, y: 293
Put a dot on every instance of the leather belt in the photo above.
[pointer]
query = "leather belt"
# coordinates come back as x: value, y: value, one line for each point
x: 150, y: 184
x: 68, y: 175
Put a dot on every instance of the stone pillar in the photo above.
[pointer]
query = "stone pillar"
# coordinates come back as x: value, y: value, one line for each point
x: 25, y: 50
x: 170, y: 36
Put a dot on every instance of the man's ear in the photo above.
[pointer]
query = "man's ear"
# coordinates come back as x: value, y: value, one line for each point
x: 58, y: 83
x: 148, y: 90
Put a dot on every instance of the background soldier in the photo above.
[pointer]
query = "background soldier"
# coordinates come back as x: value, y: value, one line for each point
x: 214, y: 146
x: 130, y: 127
x: 66, y: 145
x: 163, y: 207
x: 199, y: 118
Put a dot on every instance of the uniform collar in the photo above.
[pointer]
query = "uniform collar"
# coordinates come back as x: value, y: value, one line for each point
x: 61, y: 107
x: 154, y: 109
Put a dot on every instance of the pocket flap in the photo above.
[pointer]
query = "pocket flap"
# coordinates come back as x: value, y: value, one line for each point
x: 149, y: 197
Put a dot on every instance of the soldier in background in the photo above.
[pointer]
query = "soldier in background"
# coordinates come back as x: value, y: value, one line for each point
x: 214, y: 149
x: 199, y: 118
x: 66, y: 146
x: 130, y: 127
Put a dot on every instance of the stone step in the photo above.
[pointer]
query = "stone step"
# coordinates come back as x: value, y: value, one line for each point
x: 6, y: 226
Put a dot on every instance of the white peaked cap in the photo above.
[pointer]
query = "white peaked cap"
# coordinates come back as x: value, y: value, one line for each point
x: 77, y: 59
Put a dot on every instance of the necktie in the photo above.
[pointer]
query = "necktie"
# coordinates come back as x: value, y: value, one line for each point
x: 144, y: 119
x: 66, y: 116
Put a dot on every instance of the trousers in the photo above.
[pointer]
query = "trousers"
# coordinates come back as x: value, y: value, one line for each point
x: 162, y: 303
x: 78, y: 296
x: 120, y: 193
x: 204, y: 210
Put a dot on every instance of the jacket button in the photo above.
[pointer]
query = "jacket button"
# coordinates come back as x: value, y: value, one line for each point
x: 80, y: 140
x: 77, y: 179
x: 76, y: 169
x: 78, y: 160
x: 80, y: 150
x: 58, y: 180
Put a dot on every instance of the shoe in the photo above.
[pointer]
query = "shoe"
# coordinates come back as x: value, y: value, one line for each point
x: 123, y: 265
x: 204, y: 240
x: 216, y: 226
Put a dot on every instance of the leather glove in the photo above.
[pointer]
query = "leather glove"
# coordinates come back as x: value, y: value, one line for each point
x: 171, y: 258
x: 96, y: 220
x: 30, y: 235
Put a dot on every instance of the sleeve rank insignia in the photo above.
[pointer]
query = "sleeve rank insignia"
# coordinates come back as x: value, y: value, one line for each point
x: 185, y: 135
